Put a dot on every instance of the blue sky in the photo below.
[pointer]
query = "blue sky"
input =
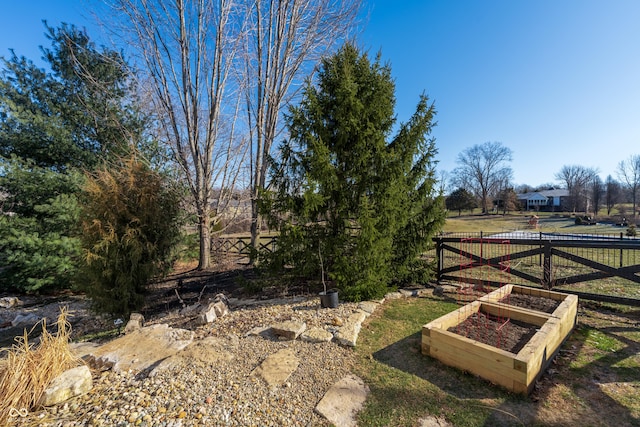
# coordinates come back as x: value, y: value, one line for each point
x: 557, y: 81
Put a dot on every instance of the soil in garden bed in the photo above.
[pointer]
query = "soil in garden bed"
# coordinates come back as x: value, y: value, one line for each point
x: 503, y: 333
x: 532, y: 302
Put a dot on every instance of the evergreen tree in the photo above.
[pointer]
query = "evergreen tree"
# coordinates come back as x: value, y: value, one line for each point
x: 53, y: 124
x: 130, y: 228
x: 39, y: 244
x: 460, y: 200
x: 74, y: 116
x: 346, y: 196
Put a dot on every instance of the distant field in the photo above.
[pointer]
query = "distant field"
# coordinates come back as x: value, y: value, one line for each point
x: 548, y: 223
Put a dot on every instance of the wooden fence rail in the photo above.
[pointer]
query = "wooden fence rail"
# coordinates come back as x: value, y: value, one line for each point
x: 240, y: 245
x: 610, y: 266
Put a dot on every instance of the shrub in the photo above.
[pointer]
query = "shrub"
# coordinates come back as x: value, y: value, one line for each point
x: 130, y: 230
x: 631, y: 230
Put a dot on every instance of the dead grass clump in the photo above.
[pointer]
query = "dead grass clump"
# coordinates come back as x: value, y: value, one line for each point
x: 28, y: 369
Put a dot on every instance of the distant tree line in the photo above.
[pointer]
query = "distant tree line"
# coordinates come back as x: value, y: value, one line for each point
x: 483, y: 179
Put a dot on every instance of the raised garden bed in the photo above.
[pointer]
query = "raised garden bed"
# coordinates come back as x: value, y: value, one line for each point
x: 456, y: 338
x: 565, y: 308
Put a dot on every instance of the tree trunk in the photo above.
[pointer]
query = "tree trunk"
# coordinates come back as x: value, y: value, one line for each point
x: 204, y: 230
x: 256, y: 225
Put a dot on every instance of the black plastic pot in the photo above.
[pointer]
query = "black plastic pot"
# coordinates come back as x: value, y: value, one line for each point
x: 329, y: 299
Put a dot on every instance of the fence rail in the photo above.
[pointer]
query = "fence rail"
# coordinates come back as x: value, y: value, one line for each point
x: 596, y: 267
x: 240, y: 245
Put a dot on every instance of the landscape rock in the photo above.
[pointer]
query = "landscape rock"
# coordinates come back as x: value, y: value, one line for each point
x: 289, y: 330
x: 207, y: 314
x: 207, y: 352
x: 259, y: 331
x: 316, y: 335
x: 9, y: 302
x: 368, y: 306
x: 408, y: 292
x: 277, y: 368
x: 136, y: 321
x: 426, y: 292
x: 348, y: 334
x: 343, y: 400
x: 393, y: 295
x: 71, y: 383
x: 25, y: 319
x: 82, y: 349
x: 140, y: 349
x: 221, y: 308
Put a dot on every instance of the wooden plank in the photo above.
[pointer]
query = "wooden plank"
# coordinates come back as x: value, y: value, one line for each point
x: 485, y: 361
x: 514, y: 313
x: 476, y: 356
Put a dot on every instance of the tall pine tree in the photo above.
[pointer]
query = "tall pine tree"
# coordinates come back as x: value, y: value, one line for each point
x: 347, y: 195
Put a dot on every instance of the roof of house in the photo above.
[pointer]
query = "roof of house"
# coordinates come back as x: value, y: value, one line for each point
x: 560, y: 192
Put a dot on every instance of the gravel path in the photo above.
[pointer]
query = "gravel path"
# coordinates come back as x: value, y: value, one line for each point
x: 217, y: 389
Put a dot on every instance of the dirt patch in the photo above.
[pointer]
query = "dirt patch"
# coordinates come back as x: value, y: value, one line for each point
x: 533, y: 302
x: 502, y: 333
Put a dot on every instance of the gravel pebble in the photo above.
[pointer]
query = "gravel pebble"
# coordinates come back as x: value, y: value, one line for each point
x: 221, y: 392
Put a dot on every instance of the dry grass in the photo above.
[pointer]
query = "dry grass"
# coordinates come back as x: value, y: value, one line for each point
x: 28, y: 369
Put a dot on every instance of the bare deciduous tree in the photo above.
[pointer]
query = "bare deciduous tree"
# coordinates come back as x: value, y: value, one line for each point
x: 577, y: 179
x: 285, y: 40
x: 629, y: 175
x: 484, y: 169
x: 187, y: 50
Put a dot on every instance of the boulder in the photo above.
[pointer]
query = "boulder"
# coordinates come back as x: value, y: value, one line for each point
x: 71, y: 383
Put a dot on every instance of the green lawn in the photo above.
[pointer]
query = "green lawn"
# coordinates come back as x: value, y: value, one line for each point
x: 595, y: 380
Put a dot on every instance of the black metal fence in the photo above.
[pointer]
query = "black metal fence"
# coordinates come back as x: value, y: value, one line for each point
x: 596, y: 267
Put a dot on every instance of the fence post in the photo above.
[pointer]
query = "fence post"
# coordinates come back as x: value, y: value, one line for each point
x: 546, y: 279
x: 621, y: 238
x: 540, y: 238
x: 440, y: 259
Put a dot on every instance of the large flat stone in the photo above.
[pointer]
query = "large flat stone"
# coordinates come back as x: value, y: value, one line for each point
x: 205, y: 353
x: 341, y: 403
x: 277, y: 368
x: 316, y: 335
x: 289, y: 330
x: 140, y: 349
x: 368, y: 306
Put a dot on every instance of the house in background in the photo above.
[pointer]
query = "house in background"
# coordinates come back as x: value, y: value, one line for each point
x: 554, y: 200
